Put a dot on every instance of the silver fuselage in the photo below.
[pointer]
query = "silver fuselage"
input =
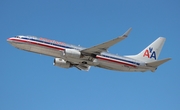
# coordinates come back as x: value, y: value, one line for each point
x: 56, y: 49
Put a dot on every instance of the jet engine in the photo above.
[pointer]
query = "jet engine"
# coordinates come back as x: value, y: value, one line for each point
x: 72, y: 53
x: 61, y: 63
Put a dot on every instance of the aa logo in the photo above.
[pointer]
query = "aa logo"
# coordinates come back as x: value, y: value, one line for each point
x: 150, y: 53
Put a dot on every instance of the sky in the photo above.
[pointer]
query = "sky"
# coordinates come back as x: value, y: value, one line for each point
x: 29, y: 81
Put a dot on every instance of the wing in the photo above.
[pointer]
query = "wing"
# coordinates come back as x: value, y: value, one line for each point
x: 104, y: 46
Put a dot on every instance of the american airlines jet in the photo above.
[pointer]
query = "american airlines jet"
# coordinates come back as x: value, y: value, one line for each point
x: 67, y: 55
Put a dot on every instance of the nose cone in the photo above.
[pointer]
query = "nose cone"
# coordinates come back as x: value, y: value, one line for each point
x: 9, y: 39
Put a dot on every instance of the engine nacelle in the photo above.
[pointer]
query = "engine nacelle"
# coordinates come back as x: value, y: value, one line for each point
x: 72, y: 53
x: 61, y: 63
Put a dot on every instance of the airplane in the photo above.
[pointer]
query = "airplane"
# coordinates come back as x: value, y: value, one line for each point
x: 67, y: 55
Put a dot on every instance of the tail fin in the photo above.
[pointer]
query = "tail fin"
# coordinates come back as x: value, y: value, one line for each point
x: 151, y: 52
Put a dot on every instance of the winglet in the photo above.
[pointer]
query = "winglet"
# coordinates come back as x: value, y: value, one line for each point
x: 127, y: 32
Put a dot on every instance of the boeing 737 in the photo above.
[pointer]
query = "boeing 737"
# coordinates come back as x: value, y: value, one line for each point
x: 67, y: 55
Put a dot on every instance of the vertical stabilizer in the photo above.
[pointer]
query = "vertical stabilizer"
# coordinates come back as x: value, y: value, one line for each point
x: 151, y: 52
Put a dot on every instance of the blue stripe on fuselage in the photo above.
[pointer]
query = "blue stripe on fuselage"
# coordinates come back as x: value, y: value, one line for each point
x: 63, y: 46
x: 115, y: 58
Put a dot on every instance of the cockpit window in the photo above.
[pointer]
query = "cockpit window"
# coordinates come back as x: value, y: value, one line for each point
x: 17, y: 36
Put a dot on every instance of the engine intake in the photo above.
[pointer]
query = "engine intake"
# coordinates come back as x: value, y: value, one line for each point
x: 61, y: 63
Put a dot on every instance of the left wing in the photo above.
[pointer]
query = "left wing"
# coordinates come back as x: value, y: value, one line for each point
x: 104, y: 46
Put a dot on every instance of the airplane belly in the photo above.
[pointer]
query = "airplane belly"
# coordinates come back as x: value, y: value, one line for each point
x: 113, y: 66
x: 21, y: 46
x: 38, y: 49
x: 45, y: 51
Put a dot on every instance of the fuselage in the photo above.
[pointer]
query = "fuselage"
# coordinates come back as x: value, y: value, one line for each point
x: 56, y: 49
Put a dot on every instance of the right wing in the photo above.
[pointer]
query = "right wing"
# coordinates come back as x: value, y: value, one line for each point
x: 104, y: 46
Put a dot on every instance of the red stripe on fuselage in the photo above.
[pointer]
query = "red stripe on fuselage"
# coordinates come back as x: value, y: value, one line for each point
x: 107, y: 59
x: 37, y: 43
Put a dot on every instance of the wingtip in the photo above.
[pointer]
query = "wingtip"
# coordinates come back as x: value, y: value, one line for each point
x: 169, y: 59
x: 127, y: 32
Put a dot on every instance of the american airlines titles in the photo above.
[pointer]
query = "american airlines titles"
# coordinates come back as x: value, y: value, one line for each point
x: 51, y: 41
x: 44, y: 39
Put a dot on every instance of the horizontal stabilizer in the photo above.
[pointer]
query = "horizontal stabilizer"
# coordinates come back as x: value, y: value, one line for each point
x: 157, y: 63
